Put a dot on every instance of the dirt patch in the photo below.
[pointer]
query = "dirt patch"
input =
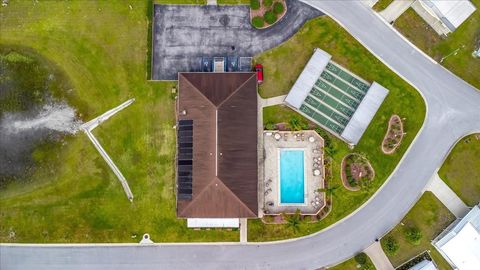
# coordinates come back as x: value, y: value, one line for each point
x: 356, y: 172
x: 394, y: 135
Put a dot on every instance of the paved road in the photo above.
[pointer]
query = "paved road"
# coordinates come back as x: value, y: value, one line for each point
x: 183, y: 34
x: 453, y: 111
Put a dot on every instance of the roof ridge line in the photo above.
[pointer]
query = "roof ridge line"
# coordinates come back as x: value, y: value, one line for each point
x: 198, y: 196
x: 203, y: 95
x: 236, y: 90
x: 235, y: 195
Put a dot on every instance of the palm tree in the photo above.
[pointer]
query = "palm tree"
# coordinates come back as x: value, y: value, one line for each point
x: 293, y: 221
x: 329, y: 191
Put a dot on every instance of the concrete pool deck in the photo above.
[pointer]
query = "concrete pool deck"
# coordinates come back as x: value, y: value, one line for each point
x: 313, y: 160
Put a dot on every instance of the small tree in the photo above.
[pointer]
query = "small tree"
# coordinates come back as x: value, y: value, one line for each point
x: 278, y: 8
x: 254, y: 4
x: 267, y: 3
x: 413, y: 235
x: 258, y: 22
x: 270, y: 17
x: 269, y: 125
x: 329, y: 191
x: 293, y: 221
x: 390, y: 245
x: 294, y: 123
x: 361, y: 258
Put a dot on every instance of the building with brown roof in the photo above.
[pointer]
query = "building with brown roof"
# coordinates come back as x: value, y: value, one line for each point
x: 217, y: 168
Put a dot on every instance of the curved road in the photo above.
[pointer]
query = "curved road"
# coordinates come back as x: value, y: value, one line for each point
x: 453, y: 111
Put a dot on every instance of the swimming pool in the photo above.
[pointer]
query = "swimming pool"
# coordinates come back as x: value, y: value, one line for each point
x: 292, y: 176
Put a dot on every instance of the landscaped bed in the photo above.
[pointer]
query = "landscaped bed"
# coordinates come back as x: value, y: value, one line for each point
x: 394, y: 135
x: 357, y: 172
x: 265, y: 13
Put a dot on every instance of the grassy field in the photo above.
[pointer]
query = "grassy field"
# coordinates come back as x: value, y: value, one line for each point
x: 351, y: 264
x: 102, y: 47
x: 381, y: 5
x: 233, y: 2
x: 283, y: 64
x: 431, y: 217
x: 461, y: 172
x: 465, y: 38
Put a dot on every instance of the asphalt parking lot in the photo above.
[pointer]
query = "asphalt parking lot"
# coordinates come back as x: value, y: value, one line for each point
x: 183, y: 34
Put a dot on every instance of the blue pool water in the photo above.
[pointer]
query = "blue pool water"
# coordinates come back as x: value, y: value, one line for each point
x: 292, y: 180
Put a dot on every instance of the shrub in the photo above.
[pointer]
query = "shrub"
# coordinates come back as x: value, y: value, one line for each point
x: 413, y: 235
x: 258, y: 22
x: 390, y: 245
x: 278, y: 8
x: 361, y: 258
x: 254, y: 4
x: 267, y: 3
x: 270, y: 17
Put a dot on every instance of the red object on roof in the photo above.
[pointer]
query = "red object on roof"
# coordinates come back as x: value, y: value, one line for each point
x: 259, y: 71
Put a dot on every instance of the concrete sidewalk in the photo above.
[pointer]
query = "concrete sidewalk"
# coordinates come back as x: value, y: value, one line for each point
x: 447, y: 196
x: 272, y: 101
x: 395, y: 9
x: 378, y: 257
x: 243, y: 230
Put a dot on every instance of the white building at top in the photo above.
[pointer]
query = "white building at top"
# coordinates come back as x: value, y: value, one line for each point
x: 460, y: 243
x: 450, y: 13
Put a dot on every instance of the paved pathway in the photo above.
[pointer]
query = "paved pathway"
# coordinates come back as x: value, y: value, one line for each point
x: 378, y: 257
x: 212, y: 2
x: 243, y: 230
x: 395, y: 9
x: 446, y: 195
x: 272, y: 101
x: 453, y: 111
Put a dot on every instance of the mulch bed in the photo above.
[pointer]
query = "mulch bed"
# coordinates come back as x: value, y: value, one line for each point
x: 261, y: 11
x: 356, y: 173
x: 394, y: 135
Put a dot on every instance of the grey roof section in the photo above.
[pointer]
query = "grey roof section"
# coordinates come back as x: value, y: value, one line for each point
x: 307, y: 78
x: 364, y: 113
x: 473, y: 217
x: 424, y: 265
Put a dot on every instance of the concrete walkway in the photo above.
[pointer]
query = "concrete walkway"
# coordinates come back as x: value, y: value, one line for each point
x: 273, y: 101
x: 243, y: 230
x: 447, y: 196
x: 212, y: 2
x: 378, y: 257
x: 395, y: 9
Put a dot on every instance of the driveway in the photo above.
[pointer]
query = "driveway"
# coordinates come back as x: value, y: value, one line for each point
x: 453, y: 111
x: 185, y: 33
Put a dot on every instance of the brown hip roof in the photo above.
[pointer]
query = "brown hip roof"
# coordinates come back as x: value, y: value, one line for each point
x: 223, y: 107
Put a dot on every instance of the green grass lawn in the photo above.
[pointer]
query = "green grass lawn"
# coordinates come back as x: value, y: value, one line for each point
x: 351, y: 264
x: 102, y: 47
x: 431, y: 217
x: 381, y: 5
x: 233, y: 2
x: 461, y: 169
x: 465, y: 38
x: 283, y: 64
